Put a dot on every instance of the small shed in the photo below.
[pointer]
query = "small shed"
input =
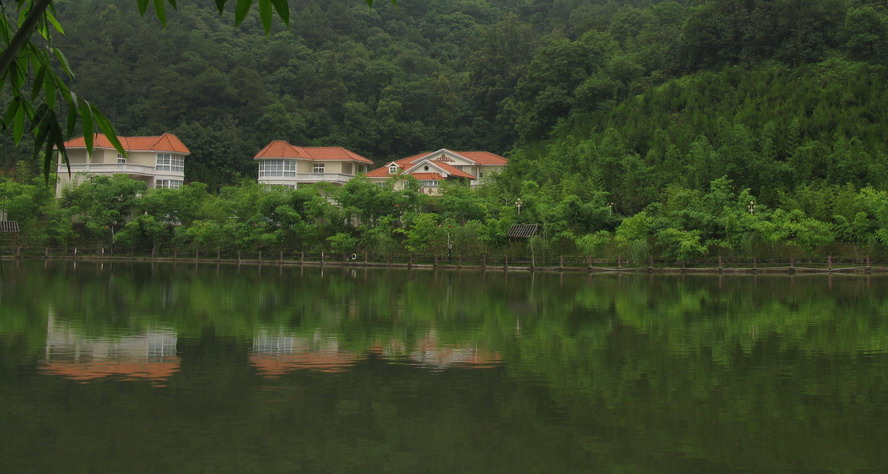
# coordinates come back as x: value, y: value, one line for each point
x: 523, y: 231
x: 9, y: 227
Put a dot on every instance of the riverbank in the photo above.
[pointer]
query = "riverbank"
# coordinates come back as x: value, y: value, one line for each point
x: 492, y: 266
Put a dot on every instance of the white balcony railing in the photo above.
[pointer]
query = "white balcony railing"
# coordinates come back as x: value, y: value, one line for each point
x: 116, y: 168
x: 308, y: 178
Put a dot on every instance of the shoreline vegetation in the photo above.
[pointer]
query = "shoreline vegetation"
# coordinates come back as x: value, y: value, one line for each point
x: 564, y: 264
x: 628, y: 131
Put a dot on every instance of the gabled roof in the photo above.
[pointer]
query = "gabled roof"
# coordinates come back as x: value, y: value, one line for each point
x: 165, y: 142
x: 381, y: 172
x: 448, y: 169
x: 428, y: 176
x: 282, y: 149
x: 478, y: 157
x: 443, y: 171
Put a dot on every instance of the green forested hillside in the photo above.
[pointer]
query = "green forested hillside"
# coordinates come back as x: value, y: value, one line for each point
x: 675, y: 128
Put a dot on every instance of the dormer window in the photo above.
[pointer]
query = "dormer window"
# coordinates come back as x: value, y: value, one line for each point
x: 393, y: 169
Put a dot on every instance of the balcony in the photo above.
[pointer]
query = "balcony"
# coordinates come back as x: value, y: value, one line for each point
x: 116, y: 168
x: 306, y: 178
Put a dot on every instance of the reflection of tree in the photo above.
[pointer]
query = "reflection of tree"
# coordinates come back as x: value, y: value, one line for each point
x: 69, y: 353
x: 766, y: 373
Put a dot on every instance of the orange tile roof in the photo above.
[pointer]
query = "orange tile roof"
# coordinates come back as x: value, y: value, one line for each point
x: 165, y: 142
x: 484, y: 157
x: 282, y: 149
x: 453, y: 170
x: 380, y: 173
x: 479, y: 157
x: 427, y: 176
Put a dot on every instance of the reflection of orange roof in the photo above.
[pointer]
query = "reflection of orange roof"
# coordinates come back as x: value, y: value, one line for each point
x: 165, y: 142
x: 282, y: 149
x: 466, y: 358
x: 275, y: 365
x: 85, y: 371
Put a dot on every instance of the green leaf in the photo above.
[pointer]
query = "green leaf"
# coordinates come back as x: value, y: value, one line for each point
x: 38, y: 81
x: 43, y: 124
x: 283, y: 10
x: 220, y: 4
x: 160, y: 10
x: 241, y: 10
x: 64, y: 61
x: 143, y: 7
x: 71, y: 98
x: 50, y: 90
x: 18, y: 125
x: 50, y: 15
x: 265, y: 15
x: 173, y: 3
x: 108, y: 130
x: 86, y: 117
x: 11, y: 110
x: 63, y: 153
x: 47, y: 158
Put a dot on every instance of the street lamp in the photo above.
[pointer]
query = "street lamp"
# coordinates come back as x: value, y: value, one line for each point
x: 518, y: 205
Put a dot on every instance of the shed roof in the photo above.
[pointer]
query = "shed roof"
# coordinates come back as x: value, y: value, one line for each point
x: 523, y: 231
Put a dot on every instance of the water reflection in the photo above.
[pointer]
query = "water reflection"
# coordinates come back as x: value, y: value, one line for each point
x: 432, y: 354
x: 595, y: 373
x: 72, y: 354
x: 274, y: 356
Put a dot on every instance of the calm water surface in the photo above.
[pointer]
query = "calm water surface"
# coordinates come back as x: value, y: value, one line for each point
x: 138, y: 367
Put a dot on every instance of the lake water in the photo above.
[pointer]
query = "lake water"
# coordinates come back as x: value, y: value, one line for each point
x: 139, y: 367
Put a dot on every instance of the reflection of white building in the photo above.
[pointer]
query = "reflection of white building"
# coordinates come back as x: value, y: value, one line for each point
x: 429, y: 353
x: 276, y: 355
x: 70, y: 353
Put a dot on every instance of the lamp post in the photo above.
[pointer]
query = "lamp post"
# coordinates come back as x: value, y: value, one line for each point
x: 518, y: 205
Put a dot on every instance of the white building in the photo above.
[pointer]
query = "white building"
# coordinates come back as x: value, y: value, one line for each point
x: 158, y: 161
x: 431, y: 169
x: 283, y: 164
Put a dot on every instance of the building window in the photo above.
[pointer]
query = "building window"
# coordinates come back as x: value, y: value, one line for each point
x: 318, y: 168
x: 120, y: 159
x: 168, y: 184
x: 430, y: 183
x: 346, y: 168
x: 393, y: 169
x: 168, y: 162
x: 480, y: 174
x: 277, y: 169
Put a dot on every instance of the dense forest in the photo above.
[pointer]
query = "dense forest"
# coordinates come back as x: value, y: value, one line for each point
x: 681, y: 129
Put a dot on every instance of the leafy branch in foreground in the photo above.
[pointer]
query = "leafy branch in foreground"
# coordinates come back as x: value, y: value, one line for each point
x: 39, y: 98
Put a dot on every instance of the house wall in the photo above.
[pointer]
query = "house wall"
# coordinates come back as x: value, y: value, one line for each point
x: 106, y: 156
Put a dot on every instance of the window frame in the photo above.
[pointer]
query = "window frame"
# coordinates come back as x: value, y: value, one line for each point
x: 170, y: 162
